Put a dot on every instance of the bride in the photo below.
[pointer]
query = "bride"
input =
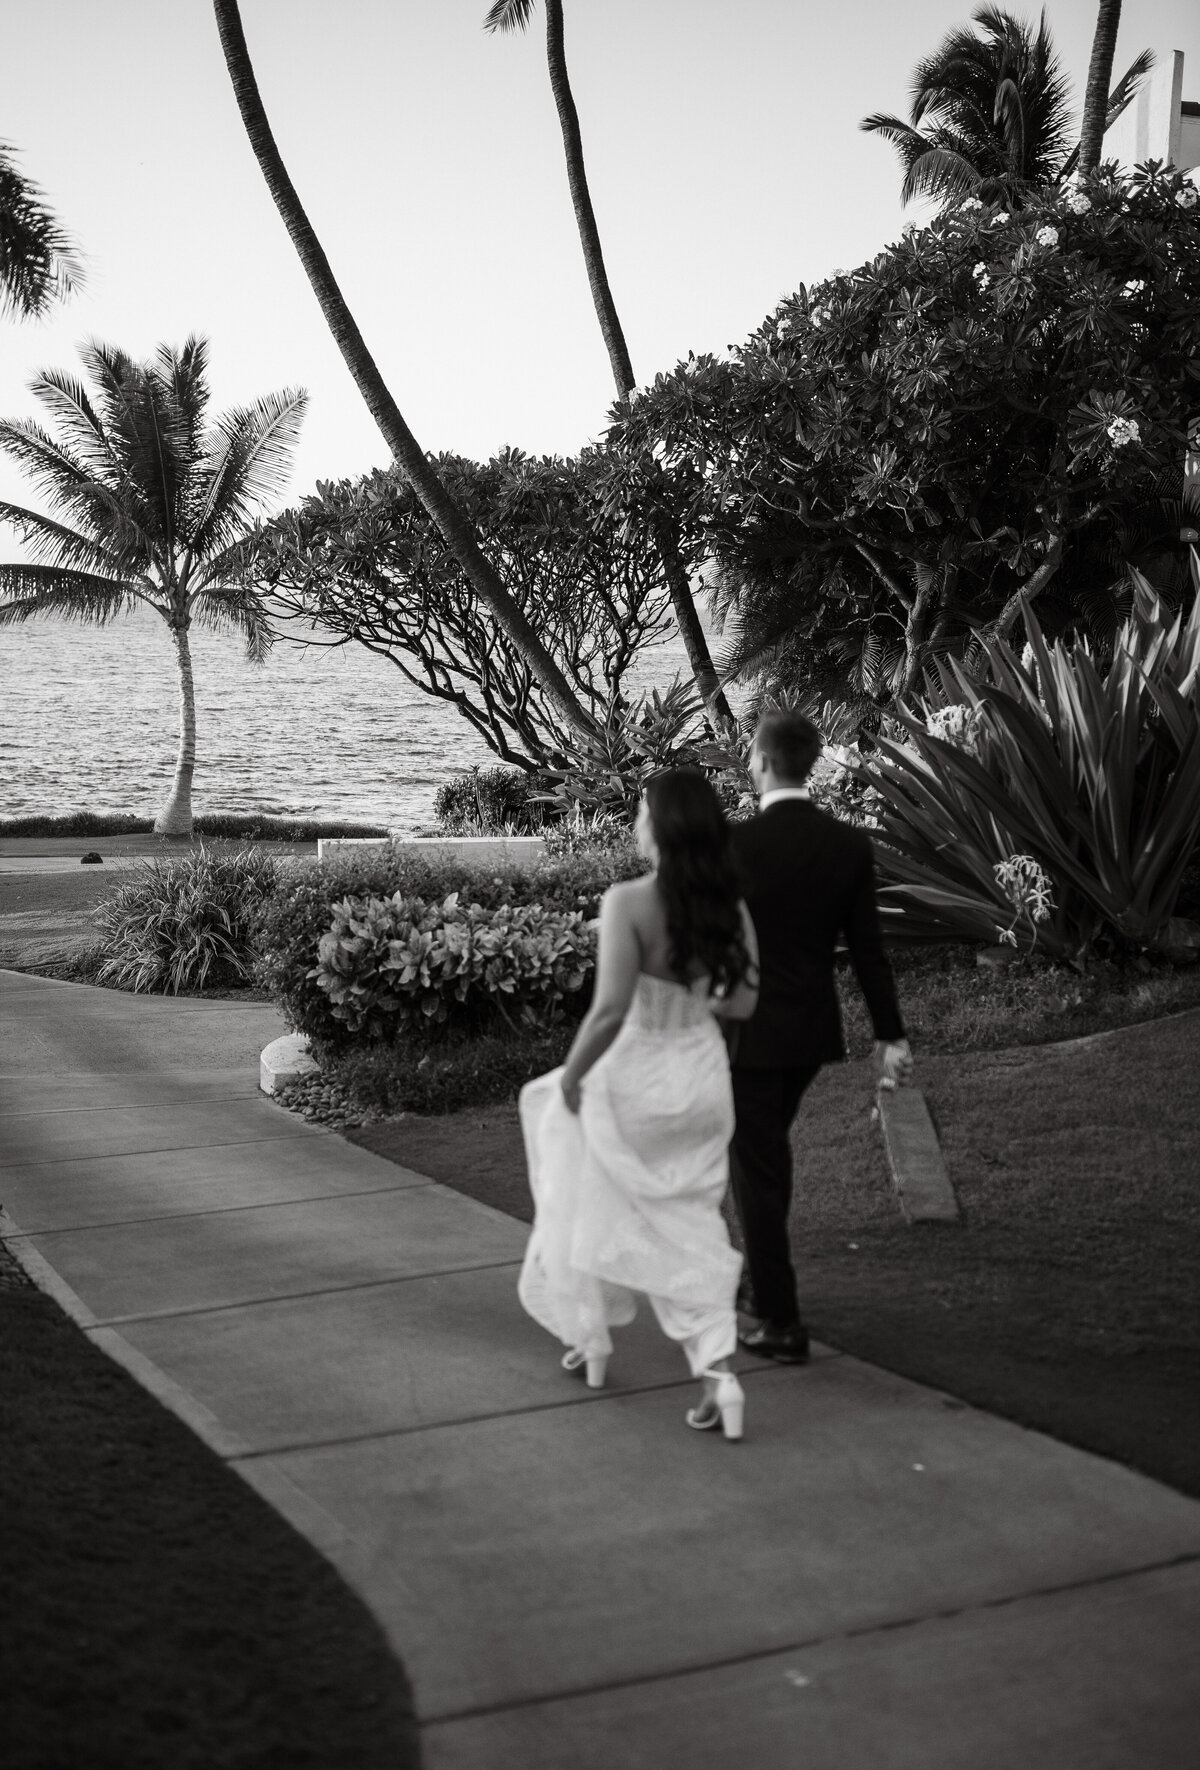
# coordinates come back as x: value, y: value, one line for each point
x: 627, y: 1143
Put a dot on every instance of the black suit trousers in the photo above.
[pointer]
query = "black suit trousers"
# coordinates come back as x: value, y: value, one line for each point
x: 766, y: 1101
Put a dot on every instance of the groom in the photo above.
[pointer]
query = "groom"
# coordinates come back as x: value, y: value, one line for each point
x: 808, y: 878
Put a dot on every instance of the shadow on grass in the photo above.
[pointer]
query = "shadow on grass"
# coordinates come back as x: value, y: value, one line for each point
x: 156, y: 1611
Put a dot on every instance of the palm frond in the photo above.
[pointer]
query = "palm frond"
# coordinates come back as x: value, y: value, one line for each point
x: 56, y: 545
x: 32, y: 590
x: 249, y: 459
x: 39, y: 262
x: 236, y: 609
x: 509, y: 15
x: 939, y: 172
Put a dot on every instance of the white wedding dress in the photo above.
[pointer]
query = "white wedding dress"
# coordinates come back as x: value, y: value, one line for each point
x: 627, y: 1193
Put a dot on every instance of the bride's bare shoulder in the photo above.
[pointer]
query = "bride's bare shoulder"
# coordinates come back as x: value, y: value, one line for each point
x: 632, y: 898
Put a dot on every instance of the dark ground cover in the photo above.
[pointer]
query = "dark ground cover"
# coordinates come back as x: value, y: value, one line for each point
x: 1065, y: 1298
x: 156, y: 1613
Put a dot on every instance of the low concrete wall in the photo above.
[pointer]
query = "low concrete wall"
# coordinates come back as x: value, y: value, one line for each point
x: 482, y: 850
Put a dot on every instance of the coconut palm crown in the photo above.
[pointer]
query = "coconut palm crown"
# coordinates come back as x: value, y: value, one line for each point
x: 989, y: 113
x: 38, y: 260
x: 152, y: 503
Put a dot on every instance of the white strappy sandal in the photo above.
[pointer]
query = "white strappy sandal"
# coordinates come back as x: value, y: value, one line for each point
x: 724, y: 1406
x: 596, y: 1363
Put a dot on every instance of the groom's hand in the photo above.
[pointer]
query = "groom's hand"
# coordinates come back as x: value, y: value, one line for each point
x: 895, y: 1063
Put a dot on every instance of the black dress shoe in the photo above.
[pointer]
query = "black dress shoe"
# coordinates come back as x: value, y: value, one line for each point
x: 786, y: 1345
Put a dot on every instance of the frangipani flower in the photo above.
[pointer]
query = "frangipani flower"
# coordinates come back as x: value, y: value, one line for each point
x: 1122, y: 431
x: 1077, y: 202
x: 1187, y: 196
x: 1046, y: 236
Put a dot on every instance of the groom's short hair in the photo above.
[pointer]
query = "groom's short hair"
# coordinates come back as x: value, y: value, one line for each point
x: 791, y: 742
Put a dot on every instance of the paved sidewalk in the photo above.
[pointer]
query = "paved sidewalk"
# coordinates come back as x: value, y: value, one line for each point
x: 878, y: 1576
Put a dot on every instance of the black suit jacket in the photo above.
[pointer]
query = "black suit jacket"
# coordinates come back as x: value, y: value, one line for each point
x: 809, y: 878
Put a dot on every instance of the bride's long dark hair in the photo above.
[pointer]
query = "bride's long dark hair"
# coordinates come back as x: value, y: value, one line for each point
x: 697, y: 877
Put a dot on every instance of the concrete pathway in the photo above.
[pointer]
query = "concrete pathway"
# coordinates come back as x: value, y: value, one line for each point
x: 878, y: 1576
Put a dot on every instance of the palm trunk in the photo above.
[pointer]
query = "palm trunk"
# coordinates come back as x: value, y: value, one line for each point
x: 175, y: 818
x: 1095, y: 98
x: 666, y: 532
x: 411, y: 459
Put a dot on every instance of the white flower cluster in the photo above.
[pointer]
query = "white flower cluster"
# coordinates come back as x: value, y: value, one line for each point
x: 1122, y: 431
x: 1187, y: 196
x: 1046, y: 236
x: 1027, y: 889
x: 818, y: 315
x: 981, y: 275
x: 1076, y: 202
x: 1000, y: 217
x: 956, y: 725
x: 969, y: 205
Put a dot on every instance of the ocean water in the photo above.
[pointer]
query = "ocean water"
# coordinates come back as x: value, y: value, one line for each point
x: 89, y: 720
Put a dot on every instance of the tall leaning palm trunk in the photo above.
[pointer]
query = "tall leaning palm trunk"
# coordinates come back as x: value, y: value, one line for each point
x: 1096, y: 98
x: 406, y: 451
x: 510, y: 14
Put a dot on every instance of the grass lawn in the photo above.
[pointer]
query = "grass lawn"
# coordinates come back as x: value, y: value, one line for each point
x: 1066, y: 1296
x: 157, y: 1614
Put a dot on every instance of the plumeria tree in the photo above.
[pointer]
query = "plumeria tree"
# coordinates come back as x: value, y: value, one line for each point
x: 362, y: 561
x: 900, y: 460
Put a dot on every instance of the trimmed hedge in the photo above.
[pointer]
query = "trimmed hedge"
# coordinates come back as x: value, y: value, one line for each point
x: 249, y: 826
x: 290, y: 925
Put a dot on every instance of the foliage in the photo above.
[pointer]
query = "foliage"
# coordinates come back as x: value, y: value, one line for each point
x: 39, y: 263
x: 491, y: 802
x: 605, y: 769
x: 901, y: 458
x: 290, y: 924
x: 369, y: 1082
x: 250, y: 826
x: 182, y: 924
x: 400, y: 964
x: 363, y: 561
x: 994, y: 105
x: 1065, y: 812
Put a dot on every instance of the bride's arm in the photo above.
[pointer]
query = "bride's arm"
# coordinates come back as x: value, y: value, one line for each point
x: 742, y: 1000
x: 617, y: 965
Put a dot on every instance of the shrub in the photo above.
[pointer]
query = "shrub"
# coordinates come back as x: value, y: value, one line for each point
x: 247, y: 826
x: 1061, y: 807
x: 183, y: 923
x: 290, y: 924
x: 389, y: 963
x: 491, y: 802
x: 379, y: 1081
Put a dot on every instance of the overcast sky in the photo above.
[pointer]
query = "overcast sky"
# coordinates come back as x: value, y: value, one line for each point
x: 722, y: 145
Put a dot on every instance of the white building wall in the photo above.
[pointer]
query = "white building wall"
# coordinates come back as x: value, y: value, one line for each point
x: 1153, y: 126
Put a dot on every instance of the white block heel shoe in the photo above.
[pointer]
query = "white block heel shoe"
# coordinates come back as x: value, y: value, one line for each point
x: 724, y: 1405
x: 596, y: 1363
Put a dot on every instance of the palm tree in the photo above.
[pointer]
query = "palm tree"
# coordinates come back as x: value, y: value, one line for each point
x: 153, y: 503
x: 409, y: 456
x: 994, y: 112
x: 38, y: 260
x: 509, y: 15
x: 1095, y: 98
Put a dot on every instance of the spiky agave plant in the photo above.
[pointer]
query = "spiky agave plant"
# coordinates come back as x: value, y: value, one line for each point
x: 1094, y: 775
